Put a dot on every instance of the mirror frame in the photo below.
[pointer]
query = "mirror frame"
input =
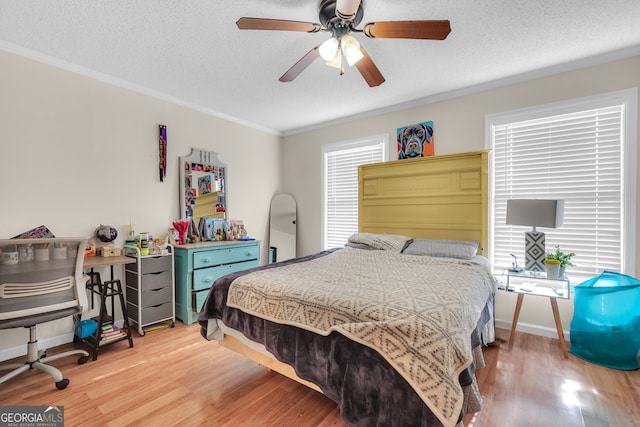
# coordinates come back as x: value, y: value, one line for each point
x: 282, y: 228
x: 211, y: 165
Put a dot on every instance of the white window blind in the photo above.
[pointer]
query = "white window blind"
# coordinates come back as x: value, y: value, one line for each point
x: 340, y: 167
x: 575, y: 156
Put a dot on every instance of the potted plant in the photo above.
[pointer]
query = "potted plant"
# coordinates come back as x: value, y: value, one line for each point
x: 557, y: 261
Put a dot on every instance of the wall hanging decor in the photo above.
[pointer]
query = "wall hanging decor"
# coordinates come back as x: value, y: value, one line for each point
x: 163, y: 152
x: 415, y: 140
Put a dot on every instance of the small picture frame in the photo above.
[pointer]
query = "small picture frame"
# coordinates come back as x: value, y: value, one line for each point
x: 172, y: 234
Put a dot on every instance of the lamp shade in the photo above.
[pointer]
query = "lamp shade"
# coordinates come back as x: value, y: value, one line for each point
x: 329, y: 48
x: 336, y: 61
x: 535, y: 213
x: 351, y: 49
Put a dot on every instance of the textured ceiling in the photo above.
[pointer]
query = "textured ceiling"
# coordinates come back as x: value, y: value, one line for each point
x: 192, y: 52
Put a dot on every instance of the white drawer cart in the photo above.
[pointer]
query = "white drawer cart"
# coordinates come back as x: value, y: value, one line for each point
x: 150, y: 288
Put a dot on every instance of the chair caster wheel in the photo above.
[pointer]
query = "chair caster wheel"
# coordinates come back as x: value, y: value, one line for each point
x: 82, y: 360
x: 63, y: 383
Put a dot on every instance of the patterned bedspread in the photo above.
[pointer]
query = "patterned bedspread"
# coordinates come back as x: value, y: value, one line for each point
x: 417, y: 312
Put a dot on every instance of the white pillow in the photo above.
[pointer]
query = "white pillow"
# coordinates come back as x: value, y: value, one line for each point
x: 442, y: 248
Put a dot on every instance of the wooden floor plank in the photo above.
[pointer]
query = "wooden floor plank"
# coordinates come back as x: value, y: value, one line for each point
x: 174, y: 377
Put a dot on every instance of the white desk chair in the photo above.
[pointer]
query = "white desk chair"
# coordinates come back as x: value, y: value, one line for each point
x: 38, y: 291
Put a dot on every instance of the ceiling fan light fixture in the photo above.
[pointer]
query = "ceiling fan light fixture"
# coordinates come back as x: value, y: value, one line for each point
x: 341, y: 17
x: 329, y: 48
x: 336, y: 61
x: 351, y: 49
x: 354, y: 58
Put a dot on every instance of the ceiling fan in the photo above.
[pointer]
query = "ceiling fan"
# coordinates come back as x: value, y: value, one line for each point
x: 340, y: 18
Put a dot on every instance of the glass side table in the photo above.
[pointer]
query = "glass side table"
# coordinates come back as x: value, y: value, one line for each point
x: 537, y: 283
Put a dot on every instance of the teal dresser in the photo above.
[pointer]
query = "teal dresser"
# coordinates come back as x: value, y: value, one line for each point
x: 198, y: 265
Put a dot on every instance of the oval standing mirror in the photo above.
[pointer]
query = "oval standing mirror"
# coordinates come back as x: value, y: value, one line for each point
x: 282, y: 233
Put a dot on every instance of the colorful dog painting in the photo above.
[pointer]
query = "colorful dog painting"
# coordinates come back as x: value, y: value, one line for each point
x: 415, y: 140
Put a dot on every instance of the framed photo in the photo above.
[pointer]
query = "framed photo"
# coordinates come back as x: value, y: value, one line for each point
x: 204, y: 185
x: 415, y: 140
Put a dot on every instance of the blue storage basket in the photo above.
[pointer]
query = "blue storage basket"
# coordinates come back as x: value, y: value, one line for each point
x: 605, y: 328
x: 86, y: 328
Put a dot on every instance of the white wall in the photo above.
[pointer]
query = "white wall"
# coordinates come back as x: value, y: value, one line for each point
x: 76, y: 152
x: 459, y: 127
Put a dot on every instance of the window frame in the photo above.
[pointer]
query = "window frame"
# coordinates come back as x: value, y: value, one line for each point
x: 374, y: 140
x: 628, y: 98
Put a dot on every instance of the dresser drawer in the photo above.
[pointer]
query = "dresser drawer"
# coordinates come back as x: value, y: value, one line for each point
x: 155, y: 264
x: 150, y: 280
x: 198, y: 300
x: 156, y: 280
x: 150, y: 297
x: 150, y: 314
x: 225, y: 255
x: 204, y: 278
x: 200, y: 295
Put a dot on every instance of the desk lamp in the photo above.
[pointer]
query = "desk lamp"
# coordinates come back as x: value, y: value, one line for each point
x: 535, y: 213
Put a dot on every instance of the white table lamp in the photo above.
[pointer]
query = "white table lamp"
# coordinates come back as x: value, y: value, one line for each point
x: 535, y: 213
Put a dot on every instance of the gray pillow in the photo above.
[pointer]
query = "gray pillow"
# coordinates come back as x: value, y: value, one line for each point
x: 442, y: 248
x: 387, y: 242
x: 360, y: 246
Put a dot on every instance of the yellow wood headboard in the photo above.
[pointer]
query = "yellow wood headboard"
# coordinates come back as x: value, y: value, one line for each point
x: 440, y: 197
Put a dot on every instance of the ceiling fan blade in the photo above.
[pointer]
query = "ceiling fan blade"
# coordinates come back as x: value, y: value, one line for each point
x: 277, y: 24
x: 301, y: 65
x: 347, y: 9
x: 429, y: 30
x: 369, y: 71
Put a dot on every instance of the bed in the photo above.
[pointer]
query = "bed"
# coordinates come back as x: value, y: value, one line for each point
x: 390, y: 326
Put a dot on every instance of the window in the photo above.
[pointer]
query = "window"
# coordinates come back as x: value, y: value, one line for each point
x: 340, y: 163
x: 581, y: 151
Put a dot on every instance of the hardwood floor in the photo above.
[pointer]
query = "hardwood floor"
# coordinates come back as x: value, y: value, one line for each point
x: 175, y: 377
